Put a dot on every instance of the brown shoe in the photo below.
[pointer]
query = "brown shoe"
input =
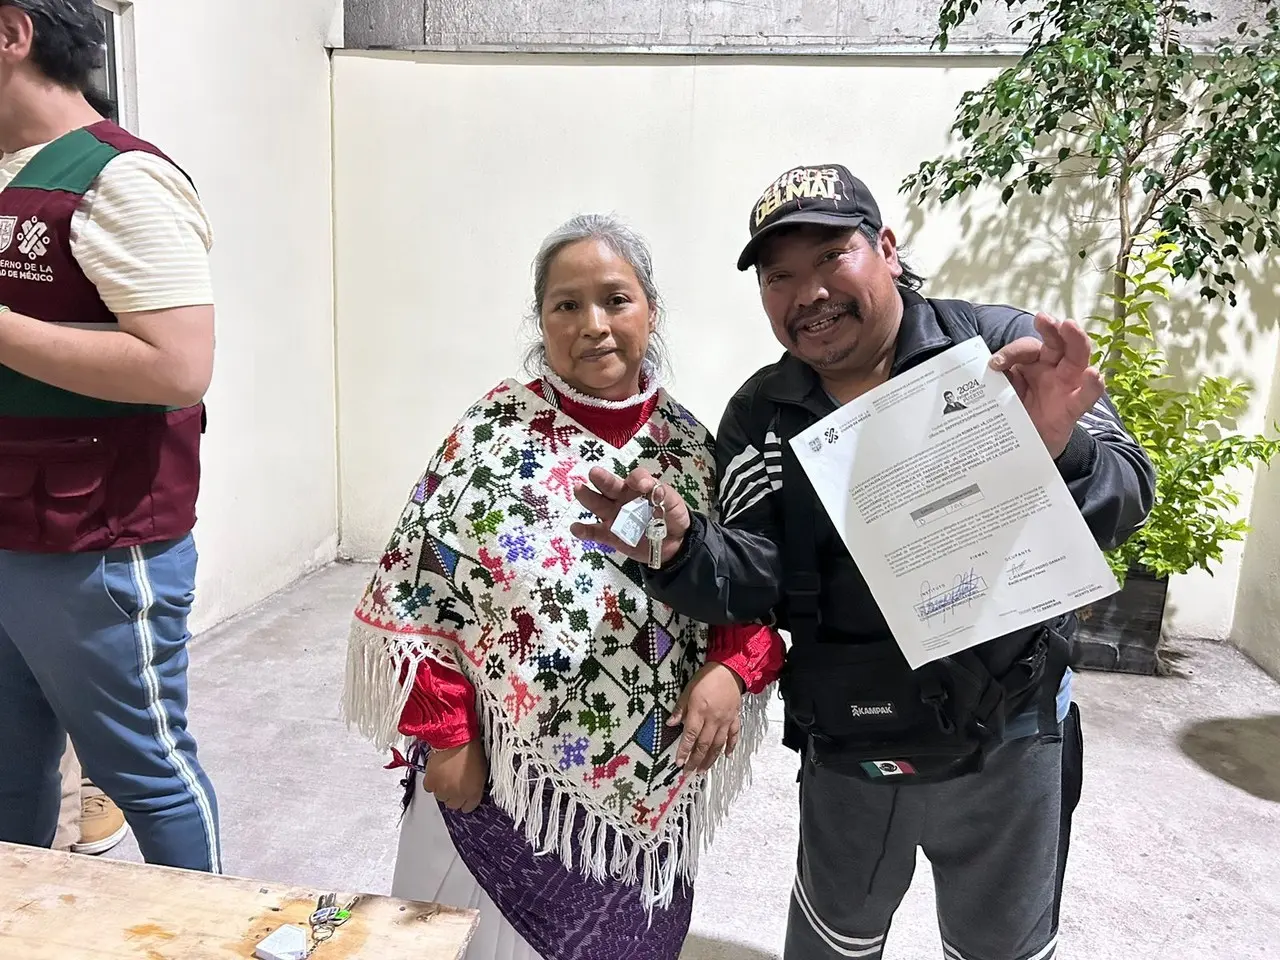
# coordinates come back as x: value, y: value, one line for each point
x: 102, y: 825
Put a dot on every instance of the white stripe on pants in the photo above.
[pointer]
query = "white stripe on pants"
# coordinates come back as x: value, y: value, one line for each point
x: 95, y: 645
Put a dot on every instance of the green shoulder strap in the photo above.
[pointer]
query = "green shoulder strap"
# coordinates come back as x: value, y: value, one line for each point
x: 69, y: 164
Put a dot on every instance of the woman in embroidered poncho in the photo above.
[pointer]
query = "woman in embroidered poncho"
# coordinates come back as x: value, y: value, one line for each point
x: 580, y: 740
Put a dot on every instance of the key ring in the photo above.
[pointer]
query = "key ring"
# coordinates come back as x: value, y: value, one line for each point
x: 656, y: 498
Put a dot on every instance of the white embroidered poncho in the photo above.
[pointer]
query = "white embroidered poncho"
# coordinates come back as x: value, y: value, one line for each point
x: 576, y: 669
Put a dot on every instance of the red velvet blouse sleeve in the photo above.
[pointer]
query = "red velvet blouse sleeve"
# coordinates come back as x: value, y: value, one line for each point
x: 441, y: 710
x: 754, y: 652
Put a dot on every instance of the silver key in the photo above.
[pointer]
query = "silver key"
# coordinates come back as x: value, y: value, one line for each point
x: 657, y: 534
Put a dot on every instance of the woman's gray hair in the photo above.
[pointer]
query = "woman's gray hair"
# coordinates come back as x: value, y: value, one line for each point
x: 623, y: 241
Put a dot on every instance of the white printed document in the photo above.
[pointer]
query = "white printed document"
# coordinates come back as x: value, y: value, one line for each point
x: 952, y: 508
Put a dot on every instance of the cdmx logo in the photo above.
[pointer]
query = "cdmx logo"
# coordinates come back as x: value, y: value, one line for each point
x: 34, y: 239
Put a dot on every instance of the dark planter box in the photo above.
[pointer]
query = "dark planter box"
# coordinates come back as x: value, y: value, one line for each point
x: 1122, y: 633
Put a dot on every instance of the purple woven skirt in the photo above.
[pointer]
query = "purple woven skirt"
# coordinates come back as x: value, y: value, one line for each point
x: 562, y: 914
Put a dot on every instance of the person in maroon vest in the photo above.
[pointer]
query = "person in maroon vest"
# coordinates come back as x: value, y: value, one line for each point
x: 106, y: 351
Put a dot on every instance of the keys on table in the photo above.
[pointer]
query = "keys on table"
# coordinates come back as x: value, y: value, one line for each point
x: 293, y: 943
x: 326, y: 919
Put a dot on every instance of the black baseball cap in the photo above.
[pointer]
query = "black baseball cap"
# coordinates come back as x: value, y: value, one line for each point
x: 825, y: 194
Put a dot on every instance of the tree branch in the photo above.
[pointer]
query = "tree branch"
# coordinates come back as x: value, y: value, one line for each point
x: 1120, y: 282
x: 1161, y: 194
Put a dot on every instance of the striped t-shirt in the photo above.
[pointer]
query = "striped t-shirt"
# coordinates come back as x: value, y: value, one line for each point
x: 140, y: 235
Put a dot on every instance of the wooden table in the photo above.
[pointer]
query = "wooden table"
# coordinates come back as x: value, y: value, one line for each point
x: 55, y: 906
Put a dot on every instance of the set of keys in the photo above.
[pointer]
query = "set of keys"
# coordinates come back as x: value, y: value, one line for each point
x: 328, y: 917
x: 293, y: 943
x: 644, y: 519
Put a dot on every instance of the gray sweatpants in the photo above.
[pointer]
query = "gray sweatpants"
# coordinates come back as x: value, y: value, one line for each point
x: 993, y: 839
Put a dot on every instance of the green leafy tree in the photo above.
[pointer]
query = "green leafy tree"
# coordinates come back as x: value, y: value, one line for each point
x: 1185, y: 432
x: 1110, y: 96
x: 1110, y: 100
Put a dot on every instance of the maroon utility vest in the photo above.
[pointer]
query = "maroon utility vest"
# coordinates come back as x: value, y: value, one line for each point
x: 77, y: 473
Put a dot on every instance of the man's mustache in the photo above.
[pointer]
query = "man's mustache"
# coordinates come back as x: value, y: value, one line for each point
x: 821, y: 313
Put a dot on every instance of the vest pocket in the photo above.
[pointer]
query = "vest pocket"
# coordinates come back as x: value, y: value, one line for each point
x: 17, y: 500
x: 53, y: 492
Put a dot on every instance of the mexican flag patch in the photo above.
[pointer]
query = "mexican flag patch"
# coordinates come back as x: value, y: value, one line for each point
x: 888, y: 768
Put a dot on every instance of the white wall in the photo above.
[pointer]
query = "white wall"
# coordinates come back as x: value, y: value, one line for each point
x: 237, y: 92
x: 1256, y: 628
x: 449, y: 170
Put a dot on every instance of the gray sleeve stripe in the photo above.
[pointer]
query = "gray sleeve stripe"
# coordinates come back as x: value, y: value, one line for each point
x: 1102, y: 413
x: 1102, y: 424
x: 745, y: 469
x: 753, y: 496
x: 729, y: 503
x: 748, y: 454
x: 743, y: 488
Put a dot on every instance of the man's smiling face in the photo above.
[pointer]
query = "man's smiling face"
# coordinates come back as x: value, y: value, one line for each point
x: 830, y: 294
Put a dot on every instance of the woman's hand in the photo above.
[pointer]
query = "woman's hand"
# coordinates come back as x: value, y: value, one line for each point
x: 457, y: 777
x: 710, y: 709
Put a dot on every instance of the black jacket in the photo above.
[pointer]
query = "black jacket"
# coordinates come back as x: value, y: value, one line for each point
x: 730, y: 570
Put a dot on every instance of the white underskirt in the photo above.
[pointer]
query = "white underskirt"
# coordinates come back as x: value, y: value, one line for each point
x: 428, y: 868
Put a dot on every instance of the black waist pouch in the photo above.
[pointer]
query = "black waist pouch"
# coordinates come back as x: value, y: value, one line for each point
x: 867, y: 714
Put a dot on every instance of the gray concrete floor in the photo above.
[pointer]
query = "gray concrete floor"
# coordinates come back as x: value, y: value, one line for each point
x: 1176, y: 852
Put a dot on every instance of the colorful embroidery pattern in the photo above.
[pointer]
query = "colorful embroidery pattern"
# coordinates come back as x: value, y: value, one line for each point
x: 571, y: 658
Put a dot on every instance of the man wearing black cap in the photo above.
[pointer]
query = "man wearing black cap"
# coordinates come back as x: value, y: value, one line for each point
x: 985, y: 780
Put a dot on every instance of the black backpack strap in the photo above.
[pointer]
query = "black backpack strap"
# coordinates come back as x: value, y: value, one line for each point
x: 1057, y: 659
x: 1036, y: 676
x: 800, y: 535
x: 957, y: 319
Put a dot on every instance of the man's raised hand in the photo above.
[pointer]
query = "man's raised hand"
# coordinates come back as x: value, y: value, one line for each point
x: 611, y: 493
x: 1052, y: 377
